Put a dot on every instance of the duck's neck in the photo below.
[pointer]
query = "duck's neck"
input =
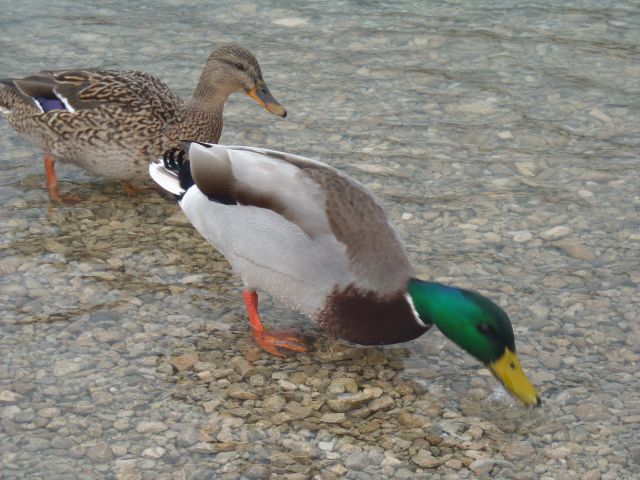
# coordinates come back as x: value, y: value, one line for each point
x: 201, y: 116
x: 446, y: 307
x: 200, y: 119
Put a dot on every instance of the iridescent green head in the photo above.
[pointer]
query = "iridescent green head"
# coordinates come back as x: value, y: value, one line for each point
x: 477, y: 325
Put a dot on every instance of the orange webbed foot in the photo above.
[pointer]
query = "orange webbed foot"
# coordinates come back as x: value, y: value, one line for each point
x: 134, y: 190
x: 52, y: 183
x: 272, y: 342
x: 63, y: 198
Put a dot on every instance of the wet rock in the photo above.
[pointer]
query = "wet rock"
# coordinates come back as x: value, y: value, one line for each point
x: 521, y: 236
x: 425, y: 459
x: 184, y: 362
x: 341, y: 385
x: 242, y: 366
x: 453, y: 463
x: 37, y: 445
x: 556, y: 233
x: 385, y: 402
x: 238, y: 392
x: 100, y: 453
x: 287, y: 385
x: 297, y: 410
x: 482, y: 466
x: 274, y: 403
x: 348, y: 401
x: 108, y: 336
x: 332, y: 418
x: 7, y: 396
x: 62, y: 368
x: 518, y: 451
x: 153, y: 452
x: 212, y: 405
x: 357, y: 461
x: 630, y: 419
x: 53, y: 246
x: 409, y: 419
x: 574, y: 249
x: 257, y: 472
x: 178, y: 219
x: 150, y: 427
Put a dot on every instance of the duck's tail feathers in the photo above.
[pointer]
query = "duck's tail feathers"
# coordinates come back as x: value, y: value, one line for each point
x: 165, y: 177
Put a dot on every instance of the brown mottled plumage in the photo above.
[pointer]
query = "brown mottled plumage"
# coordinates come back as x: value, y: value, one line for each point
x: 116, y: 122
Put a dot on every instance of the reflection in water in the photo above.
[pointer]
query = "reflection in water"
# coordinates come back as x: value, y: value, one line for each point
x: 499, y: 137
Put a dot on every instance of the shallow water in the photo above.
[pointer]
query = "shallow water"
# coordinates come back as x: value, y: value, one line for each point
x: 504, y: 142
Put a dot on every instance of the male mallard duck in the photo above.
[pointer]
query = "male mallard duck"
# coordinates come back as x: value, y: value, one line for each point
x: 93, y: 118
x: 320, y: 241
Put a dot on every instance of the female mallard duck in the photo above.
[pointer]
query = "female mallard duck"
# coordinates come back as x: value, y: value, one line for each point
x: 320, y: 241
x: 93, y: 118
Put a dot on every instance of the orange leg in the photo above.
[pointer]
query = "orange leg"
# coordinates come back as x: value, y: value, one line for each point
x: 133, y: 190
x: 269, y: 341
x: 52, y: 181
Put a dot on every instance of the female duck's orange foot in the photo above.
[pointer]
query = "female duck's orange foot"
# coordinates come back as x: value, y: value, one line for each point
x: 57, y: 197
x: 52, y: 182
x: 133, y: 190
x: 273, y: 341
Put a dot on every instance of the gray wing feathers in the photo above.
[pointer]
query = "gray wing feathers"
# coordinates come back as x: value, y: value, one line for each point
x: 253, y: 178
x: 316, y: 197
x: 375, y: 250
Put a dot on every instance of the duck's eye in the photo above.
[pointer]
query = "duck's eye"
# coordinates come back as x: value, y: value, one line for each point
x: 484, y: 328
x: 240, y: 67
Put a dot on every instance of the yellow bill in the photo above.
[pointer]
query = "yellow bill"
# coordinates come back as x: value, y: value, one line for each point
x: 261, y: 94
x: 507, y: 369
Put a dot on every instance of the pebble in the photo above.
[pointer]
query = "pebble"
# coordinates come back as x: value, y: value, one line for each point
x: 291, y: 22
x: 287, y: 385
x: 187, y: 436
x: 150, y: 427
x: 185, y: 361
x: 100, y: 453
x: 575, y: 249
x: 385, y: 402
x: 518, y: 451
x: 425, y: 459
x: 522, y: 236
x: 332, y: 417
x: 274, y: 403
x: 7, y: 396
x: 153, y: 452
x: 348, y: 401
x: 62, y: 368
x: 240, y: 393
x: 631, y: 419
x: 257, y: 472
x: 357, y: 461
x: 242, y: 366
x: 482, y: 466
x: 556, y: 233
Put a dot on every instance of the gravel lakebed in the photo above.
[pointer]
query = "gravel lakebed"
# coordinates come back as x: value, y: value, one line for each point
x: 504, y: 144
